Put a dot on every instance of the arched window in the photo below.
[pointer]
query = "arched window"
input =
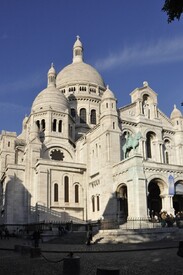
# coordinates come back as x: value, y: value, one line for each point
x: 148, y: 147
x: 93, y: 119
x: 77, y: 52
x: 43, y: 125
x: 76, y: 193
x: 38, y: 124
x: 166, y: 158
x: 149, y: 139
x: 93, y: 204
x: 98, y: 203
x: 60, y: 126
x: 166, y: 147
x: 66, y: 189
x: 83, y: 115
x: 54, y: 125
x: 55, y: 192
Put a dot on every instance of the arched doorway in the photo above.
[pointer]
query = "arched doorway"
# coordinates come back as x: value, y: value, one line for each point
x: 154, y: 201
x: 122, y: 203
x: 178, y: 197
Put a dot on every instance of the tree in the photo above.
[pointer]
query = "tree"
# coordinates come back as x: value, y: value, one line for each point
x: 173, y: 8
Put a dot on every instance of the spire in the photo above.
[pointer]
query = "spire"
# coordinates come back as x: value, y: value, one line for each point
x: 77, y: 51
x: 52, y: 76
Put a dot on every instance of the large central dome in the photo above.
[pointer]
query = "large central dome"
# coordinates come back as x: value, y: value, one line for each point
x: 78, y: 72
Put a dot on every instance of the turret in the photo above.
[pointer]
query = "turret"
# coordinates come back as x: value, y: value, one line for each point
x: 176, y: 118
x: 108, y: 110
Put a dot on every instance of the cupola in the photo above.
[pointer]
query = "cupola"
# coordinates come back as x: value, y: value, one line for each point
x: 77, y: 51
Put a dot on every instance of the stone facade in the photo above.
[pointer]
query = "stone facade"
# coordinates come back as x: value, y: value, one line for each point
x: 80, y: 158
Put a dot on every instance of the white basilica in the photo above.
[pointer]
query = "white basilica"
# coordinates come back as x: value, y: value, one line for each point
x: 80, y: 158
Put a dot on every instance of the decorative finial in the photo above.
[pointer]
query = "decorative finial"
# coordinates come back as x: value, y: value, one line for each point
x: 78, y: 37
x: 108, y: 87
x: 174, y: 106
x: 145, y: 83
x: 52, y: 65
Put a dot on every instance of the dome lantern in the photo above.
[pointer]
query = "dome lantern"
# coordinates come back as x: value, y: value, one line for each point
x: 51, y: 76
x: 77, y: 51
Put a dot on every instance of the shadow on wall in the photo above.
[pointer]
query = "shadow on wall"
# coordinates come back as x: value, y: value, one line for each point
x: 41, y: 213
x: 16, y: 207
x: 115, y: 213
x: 15, y: 201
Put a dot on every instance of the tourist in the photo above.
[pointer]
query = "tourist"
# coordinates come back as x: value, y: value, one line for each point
x: 36, y: 238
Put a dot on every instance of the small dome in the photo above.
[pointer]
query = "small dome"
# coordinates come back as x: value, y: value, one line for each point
x: 176, y: 113
x: 108, y: 94
x: 50, y: 98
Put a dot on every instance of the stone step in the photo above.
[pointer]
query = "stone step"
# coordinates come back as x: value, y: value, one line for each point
x: 137, y: 236
x: 76, y: 237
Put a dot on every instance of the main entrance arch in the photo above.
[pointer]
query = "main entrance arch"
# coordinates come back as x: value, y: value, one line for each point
x: 154, y: 201
x: 122, y: 203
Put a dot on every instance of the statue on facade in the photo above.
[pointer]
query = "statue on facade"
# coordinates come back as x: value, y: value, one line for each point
x: 131, y: 143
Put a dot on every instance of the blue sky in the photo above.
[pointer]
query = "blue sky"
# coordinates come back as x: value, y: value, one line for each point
x: 128, y: 42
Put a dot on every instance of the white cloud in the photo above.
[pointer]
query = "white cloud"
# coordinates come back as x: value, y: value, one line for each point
x: 159, y: 52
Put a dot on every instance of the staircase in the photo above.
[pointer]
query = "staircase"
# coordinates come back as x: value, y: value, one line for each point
x: 75, y: 237
x: 138, y: 235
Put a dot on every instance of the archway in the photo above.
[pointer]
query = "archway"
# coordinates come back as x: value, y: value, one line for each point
x: 122, y: 203
x: 178, y: 197
x: 154, y: 201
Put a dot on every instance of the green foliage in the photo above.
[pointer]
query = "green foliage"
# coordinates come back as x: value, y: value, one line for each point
x: 173, y: 8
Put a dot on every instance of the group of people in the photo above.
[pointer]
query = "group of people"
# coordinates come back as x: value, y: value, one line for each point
x: 4, y: 233
x: 61, y: 230
x: 166, y: 219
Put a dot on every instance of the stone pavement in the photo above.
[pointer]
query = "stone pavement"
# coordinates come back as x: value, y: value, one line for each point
x: 142, y: 258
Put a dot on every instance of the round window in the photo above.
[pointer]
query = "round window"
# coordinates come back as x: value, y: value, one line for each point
x: 56, y: 154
